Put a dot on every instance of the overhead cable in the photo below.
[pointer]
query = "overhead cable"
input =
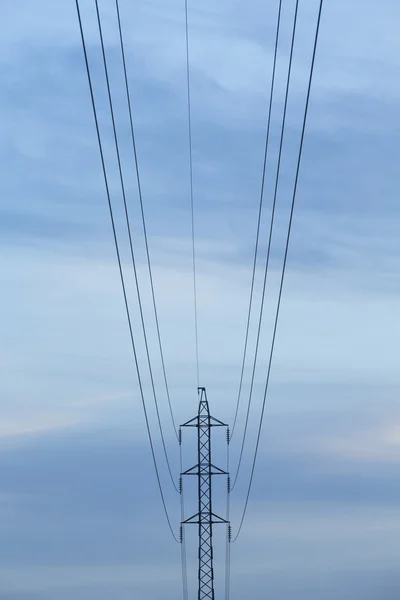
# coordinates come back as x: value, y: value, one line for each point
x: 131, y: 244
x: 120, y: 270
x: 228, y: 524
x: 284, y: 267
x: 196, y: 331
x: 182, y: 531
x: 128, y: 97
x: 269, y: 244
x: 259, y: 216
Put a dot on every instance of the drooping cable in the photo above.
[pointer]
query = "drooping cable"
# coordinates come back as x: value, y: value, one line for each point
x: 182, y: 530
x: 191, y: 192
x: 269, y: 244
x: 131, y: 243
x: 128, y: 97
x: 284, y: 266
x: 259, y: 216
x: 120, y: 270
x: 228, y: 524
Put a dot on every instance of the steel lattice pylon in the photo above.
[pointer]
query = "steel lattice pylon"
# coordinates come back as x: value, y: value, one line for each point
x: 205, y: 518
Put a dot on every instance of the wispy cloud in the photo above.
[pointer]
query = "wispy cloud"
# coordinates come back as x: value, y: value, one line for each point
x: 70, y: 402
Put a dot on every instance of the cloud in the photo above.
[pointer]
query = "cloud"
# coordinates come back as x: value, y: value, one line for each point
x: 381, y: 443
x: 75, y: 495
x: 335, y: 320
x: 79, y: 502
x: 47, y: 579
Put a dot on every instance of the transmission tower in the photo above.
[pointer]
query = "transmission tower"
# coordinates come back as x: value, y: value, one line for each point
x: 205, y: 518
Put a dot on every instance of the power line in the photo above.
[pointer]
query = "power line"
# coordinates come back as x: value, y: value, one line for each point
x: 269, y: 244
x: 131, y: 243
x: 284, y: 266
x: 228, y: 525
x: 182, y: 530
x: 120, y: 268
x: 259, y: 215
x: 143, y: 218
x: 191, y: 193
x: 228, y: 558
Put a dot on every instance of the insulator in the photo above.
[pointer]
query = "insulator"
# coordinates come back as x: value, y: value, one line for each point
x: 229, y: 484
x: 229, y: 533
x: 180, y: 436
x: 228, y: 435
x: 181, y: 534
x: 180, y: 485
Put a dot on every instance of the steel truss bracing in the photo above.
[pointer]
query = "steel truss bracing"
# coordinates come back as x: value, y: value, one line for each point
x: 204, y: 518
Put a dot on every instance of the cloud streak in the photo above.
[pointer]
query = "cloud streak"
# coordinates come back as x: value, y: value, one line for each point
x: 78, y: 501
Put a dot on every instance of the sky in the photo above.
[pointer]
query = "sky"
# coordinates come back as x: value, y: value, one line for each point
x: 80, y: 513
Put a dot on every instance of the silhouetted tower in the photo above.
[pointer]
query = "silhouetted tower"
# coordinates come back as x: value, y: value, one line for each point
x: 205, y: 518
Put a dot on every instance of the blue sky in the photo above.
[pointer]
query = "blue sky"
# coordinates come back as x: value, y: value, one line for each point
x: 79, y: 508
